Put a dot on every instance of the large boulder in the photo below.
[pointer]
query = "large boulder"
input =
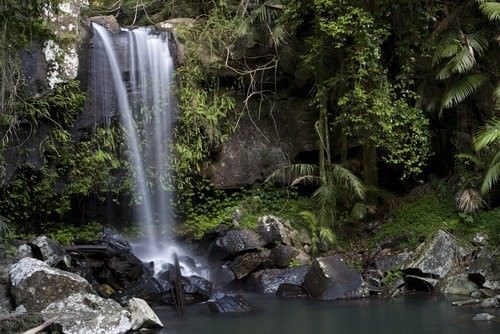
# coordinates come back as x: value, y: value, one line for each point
x: 196, y: 289
x: 234, y: 242
x: 387, y: 260
x: 27, y: 275
x: 485, y: 269
x: 436, y: 258
x: 269, y: 280
x: 458, y: 285
x: 246, y: 263
x: 329, y: 278
x: 222, y: 303
x: 142, y: 315
x: 271, y: 229
x: 84, y: 313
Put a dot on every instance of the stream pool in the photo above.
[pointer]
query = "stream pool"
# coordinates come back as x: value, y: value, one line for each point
x: 273, y: 315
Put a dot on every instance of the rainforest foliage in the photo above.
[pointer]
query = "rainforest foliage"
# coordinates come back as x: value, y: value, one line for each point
x: 403, y: 92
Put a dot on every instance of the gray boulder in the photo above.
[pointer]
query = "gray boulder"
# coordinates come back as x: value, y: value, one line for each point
x: 485, y: 269
x: 84, y: 313
x: 269, y: 280
x: 234, y: 242
x: 329, y: 278
x: 291, y: 291
x: 47, y: 250
x: 387, y: 260
x: 489, y: 303
x: 222, y: 303
x: 436, y: 257
x: 458, y: 285
x: 142, y: 315
x: 271, y: 229
x: 221, y: 275
x: 27, y: 275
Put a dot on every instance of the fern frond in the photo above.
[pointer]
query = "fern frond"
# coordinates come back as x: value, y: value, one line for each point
x: 462, y: 89
x: 348, y: 180
x: 491, y: 10
x: 491, y: 176
x: 488, y: 135
x: 289, y: 174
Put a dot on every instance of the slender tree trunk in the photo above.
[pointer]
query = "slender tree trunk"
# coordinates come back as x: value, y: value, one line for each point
x: 370, y: 171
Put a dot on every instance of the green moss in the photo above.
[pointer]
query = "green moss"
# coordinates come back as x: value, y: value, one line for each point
x: 418, y: 218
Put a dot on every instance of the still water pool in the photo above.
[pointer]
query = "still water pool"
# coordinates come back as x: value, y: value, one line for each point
x: 273, y: 315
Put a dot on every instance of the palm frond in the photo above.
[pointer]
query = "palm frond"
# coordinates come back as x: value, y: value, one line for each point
x: 491, y: 10
x: 306, y: 179
x: 326, y: 235
x: 309, y: 218
x: 469, y: 200
x: 345, y: 178
x: 488, y: 135
x: 289, y: 174
x: 447, y: 47
x: 492, y: 175
x: 463, y: 88
x: 469, y: 157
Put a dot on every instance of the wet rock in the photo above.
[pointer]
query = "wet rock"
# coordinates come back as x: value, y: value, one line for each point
x: 84, y: 313
x: 115, y: 239
x: 234, y: 242
x: 489, y: 303
x: 483, y: 317
x: 329, y: 278
x: 246, y: 263
x: 47, y: 250
x: 196, y: 289
x: 269, y: 280
x: 466, y: 302
x: 142, y: 315
x: 291, y: 291
x: 485, y: 269
x: 394, y: 288
x: 458, y: 285
x: 110, y: 264
x: 436, y: 258
x: 222, y: 275
x: 419, y: 283
x: 109, y: 22
x: 301, y: 239
x: 271, y: 229
x: 26, y: 276
x: 386, y: 260
x: 147, y: 288
x: 5, y: 304
x: 222, y: 303
x: 281, y: 256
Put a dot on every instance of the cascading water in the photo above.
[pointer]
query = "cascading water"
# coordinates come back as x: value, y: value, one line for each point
x: 145, y: 105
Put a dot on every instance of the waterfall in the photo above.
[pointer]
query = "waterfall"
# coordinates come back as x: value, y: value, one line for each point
x: 142, y: 77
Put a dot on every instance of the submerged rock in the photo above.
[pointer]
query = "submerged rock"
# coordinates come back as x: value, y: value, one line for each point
x: 222, y: 303
x: 35, y: 285
x: 269, y: 280
x: 483, y: 317
x: 291, y: 291
x: 329, y: 278
x: 84, y: 313
x: 436, y: 258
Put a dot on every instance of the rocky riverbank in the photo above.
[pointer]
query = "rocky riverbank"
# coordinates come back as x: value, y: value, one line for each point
x: 102, y: 287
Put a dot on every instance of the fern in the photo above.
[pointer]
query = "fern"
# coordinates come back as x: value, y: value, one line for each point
x: 492, y: 174
x: 463, y: 88
x: 491, y: 10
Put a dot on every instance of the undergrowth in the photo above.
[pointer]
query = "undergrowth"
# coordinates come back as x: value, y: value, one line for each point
x: 209, y: 207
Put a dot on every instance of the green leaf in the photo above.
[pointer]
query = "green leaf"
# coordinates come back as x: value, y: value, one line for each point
x: 462, y: 89
x: 491, y: 10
